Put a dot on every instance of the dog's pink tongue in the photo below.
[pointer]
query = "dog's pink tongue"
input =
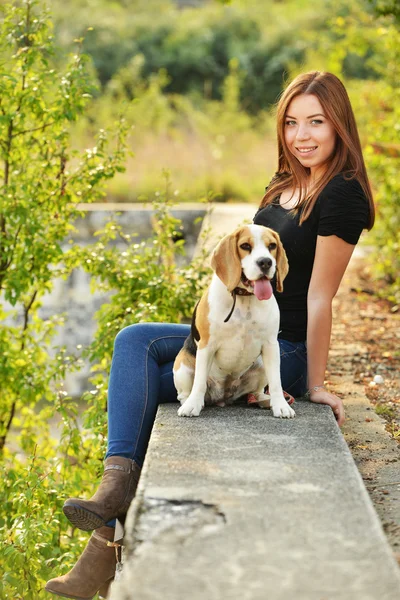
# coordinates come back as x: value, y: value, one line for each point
x: 263, y: 289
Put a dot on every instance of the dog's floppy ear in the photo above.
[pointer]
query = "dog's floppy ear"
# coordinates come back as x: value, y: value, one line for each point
x: 225, y: 260
x: 282, y: 264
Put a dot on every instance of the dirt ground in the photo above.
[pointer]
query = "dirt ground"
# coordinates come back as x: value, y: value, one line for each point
x: 364, y: 370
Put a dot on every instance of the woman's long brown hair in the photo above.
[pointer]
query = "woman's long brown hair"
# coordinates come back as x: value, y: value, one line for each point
x: 347, y: 157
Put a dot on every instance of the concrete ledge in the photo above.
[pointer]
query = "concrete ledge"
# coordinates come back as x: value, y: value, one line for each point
x: 238, y: 505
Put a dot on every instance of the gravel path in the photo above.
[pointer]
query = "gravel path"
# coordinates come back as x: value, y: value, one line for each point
x: 364, y: 344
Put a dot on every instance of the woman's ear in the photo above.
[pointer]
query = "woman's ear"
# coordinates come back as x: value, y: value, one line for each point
x: 225, y: 260
x: 282, y: 264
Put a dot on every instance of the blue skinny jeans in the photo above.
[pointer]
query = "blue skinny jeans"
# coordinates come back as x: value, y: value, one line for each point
x: 141, y: 379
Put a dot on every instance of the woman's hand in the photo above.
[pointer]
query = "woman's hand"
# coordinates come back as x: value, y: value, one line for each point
x: 325, y: 397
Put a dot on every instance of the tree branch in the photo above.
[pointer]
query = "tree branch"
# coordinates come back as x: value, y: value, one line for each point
x: 27, y: 308
x: 35, y: 129
x: 8, y: 425
x: 26, y: 315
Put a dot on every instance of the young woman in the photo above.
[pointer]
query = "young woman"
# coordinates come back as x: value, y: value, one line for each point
x: 319, y: 201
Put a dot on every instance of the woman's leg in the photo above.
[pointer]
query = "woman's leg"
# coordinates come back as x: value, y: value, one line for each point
x: 293, y: 367
x: 140, y: 378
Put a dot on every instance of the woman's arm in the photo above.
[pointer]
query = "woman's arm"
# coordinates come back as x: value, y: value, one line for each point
x: 332, y: 256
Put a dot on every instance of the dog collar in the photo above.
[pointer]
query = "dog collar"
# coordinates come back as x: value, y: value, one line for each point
x: 237, y: 292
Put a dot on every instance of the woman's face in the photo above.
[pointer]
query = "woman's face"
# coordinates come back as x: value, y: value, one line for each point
x: 309, y: 135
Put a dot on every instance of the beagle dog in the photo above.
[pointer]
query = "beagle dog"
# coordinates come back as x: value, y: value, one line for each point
x: 233, y: 349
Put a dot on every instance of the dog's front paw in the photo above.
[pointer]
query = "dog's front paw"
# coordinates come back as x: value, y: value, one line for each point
x: 190, y: 408
x: 282, y: 410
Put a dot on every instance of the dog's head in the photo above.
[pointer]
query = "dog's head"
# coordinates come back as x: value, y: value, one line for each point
x: 250, y: 257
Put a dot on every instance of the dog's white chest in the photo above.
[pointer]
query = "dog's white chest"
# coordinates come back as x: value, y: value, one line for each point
x: 240, y: 340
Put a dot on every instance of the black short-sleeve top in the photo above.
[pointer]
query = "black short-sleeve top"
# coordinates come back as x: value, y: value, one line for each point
x: 341, y: 209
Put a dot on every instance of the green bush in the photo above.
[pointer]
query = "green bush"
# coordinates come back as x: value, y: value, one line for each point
x: 44, y: 179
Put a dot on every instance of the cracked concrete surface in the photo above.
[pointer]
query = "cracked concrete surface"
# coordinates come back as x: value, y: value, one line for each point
x: 238, y: 505
x: 172, y: 521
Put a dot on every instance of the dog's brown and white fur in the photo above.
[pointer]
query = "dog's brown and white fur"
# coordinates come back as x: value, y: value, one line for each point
x: 222, y: 361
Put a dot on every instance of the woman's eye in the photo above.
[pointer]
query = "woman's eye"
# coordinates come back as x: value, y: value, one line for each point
x: 245, y: 247
x: 272, y: 246
x: 317, y: 121
x: 290, y: 123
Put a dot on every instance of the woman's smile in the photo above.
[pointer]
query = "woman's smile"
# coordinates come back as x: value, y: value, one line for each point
x: 306, y: 150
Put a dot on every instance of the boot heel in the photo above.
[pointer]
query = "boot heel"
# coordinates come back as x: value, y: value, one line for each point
x: 105, y: 588
x: 82, y: 518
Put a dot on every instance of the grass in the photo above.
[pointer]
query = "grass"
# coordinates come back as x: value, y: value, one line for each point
x: 237, y: 172
x: 385, y: 411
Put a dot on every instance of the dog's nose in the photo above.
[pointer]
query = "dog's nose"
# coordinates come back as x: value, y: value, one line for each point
x: 264, y: 263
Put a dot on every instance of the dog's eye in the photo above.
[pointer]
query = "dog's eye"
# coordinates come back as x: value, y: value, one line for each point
x: 245, y: 247
x: 272, y: 246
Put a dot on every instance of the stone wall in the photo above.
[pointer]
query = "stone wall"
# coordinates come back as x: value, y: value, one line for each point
x: 73, y: 296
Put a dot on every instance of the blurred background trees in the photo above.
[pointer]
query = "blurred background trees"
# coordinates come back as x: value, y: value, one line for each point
x: 187, y: 86
x: 199, y: 84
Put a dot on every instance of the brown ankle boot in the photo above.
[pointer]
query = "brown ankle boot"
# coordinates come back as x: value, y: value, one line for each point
x: 112, y: 499
x: 94, y: 569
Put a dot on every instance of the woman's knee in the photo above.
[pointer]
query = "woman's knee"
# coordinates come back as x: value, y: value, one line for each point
x: 138, y: 332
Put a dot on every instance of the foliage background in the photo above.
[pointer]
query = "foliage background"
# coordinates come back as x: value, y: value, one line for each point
x: 97, y: 98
